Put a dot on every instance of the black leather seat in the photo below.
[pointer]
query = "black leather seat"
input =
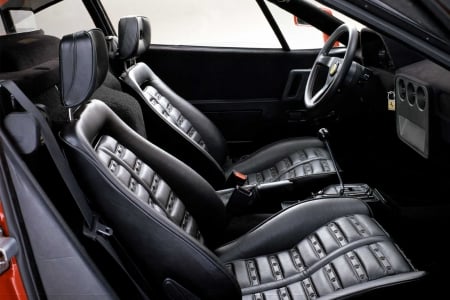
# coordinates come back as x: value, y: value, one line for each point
x: 184, y: 131
x: 170, y: 220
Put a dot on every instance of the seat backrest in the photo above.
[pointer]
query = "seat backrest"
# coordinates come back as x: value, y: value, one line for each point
x: 179, y: 127
x: 163, y: 212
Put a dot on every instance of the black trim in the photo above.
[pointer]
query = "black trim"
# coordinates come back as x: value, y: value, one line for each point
x: 382, y: 10
x: 379, y: 23
x: 99, y: 16
x: 273, y: 24
x: 311, y: 14
x: 14, y: 219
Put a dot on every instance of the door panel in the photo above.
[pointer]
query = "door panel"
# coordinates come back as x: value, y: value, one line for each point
x: 245, y: 92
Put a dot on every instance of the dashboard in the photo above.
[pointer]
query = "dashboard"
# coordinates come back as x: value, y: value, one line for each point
x: 422, y: 90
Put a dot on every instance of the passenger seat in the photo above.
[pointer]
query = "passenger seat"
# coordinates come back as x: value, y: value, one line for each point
x: 187, y: 133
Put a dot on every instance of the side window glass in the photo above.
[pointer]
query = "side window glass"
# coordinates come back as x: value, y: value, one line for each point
x: 298, y: 34
x: 65, y: 17
x: 23, y: 20
x: 301, y: 35
x: 217, y: 23
x: 2, y: 29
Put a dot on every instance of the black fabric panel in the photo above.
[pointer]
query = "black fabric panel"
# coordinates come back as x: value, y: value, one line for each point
x: 31, y: 60
x: 25, y: 50
x: 112, y: 82
x: 36, y: 79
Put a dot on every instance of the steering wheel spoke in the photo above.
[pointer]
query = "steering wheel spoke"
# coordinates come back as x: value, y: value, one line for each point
x: 324, y: 60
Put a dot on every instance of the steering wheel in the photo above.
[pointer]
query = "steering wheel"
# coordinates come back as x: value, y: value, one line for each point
x: 337, y: 68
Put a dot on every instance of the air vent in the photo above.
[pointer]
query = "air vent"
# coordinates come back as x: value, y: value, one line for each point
x: 422, y: 98
x: 412, y: 115
x: 401, y: 89
x: 411, y: 94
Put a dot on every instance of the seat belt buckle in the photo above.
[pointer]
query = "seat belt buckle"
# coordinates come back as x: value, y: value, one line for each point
x: 236, y: 178
x: 97, y: 228
x: 240, y: 200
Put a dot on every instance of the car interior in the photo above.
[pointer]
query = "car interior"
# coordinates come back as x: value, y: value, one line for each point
x: 180, y: 172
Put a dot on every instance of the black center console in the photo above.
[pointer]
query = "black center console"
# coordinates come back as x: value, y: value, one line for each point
x: 355, y: 190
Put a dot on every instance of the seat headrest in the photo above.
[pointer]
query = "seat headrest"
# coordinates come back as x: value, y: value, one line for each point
x: 134, y: 36
x: 83, y: 65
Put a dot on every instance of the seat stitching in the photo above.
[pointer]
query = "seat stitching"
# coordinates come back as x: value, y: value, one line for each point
x: 138, y: 179
x: 294, y: 166
x: 283, y: 293
x: 275, y: 267
x: 330, y: 274
x: 309, y: 288
x: 337, y: 234
x: 297, y: 259
x: 316, y: 266
x: 381, y: 259
x: 252, y: 272
x: 355, y: 263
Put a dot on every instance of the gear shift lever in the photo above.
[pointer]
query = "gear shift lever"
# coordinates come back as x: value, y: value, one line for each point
x: 323, y: 136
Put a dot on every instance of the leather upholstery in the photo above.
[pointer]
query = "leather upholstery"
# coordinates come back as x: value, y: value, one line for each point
x: 134, y: 36
x: 192, y: 137
x: 145, y: 184
x: 168, y: 218
x: 159, y: 246
x: 291, y: 158
x: 172, y: 115
x: 344, y: 253
x: 83, y: 65
x: 205, y: 147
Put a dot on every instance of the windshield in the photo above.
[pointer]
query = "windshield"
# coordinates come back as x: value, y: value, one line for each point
x: 33, y: 5
x: 428, y: 19
x: 413, y: 12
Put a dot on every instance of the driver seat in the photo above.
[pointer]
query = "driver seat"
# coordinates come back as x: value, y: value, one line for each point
x: 182, y: 130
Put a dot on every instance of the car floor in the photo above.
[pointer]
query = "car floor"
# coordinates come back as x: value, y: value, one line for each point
x: 416, y: 211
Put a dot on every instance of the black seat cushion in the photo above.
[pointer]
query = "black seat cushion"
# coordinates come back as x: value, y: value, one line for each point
x: 286, y: 159
x: 188, y: 134
x: 343, y: 257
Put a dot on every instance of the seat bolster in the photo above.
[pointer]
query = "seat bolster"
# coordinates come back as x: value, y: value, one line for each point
x: 272, y: 153
x: 285, y: 229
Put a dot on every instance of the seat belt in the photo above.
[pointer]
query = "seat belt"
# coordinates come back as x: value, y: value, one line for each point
x: 92, y: 228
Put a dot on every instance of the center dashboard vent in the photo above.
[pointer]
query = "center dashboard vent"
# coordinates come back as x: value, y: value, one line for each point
x: 412, y: 113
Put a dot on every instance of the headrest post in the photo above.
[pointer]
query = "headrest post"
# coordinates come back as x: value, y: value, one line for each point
x: 71, y: 112
x: 129, y: 63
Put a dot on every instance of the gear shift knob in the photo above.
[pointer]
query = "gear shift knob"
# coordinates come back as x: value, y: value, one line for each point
x: 323, y: 134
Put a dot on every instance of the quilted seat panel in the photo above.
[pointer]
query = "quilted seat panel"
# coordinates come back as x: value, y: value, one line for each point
x: 172, y: 115
x: 308, y: 161
x: 348, y: 251
x: 145, y: 184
